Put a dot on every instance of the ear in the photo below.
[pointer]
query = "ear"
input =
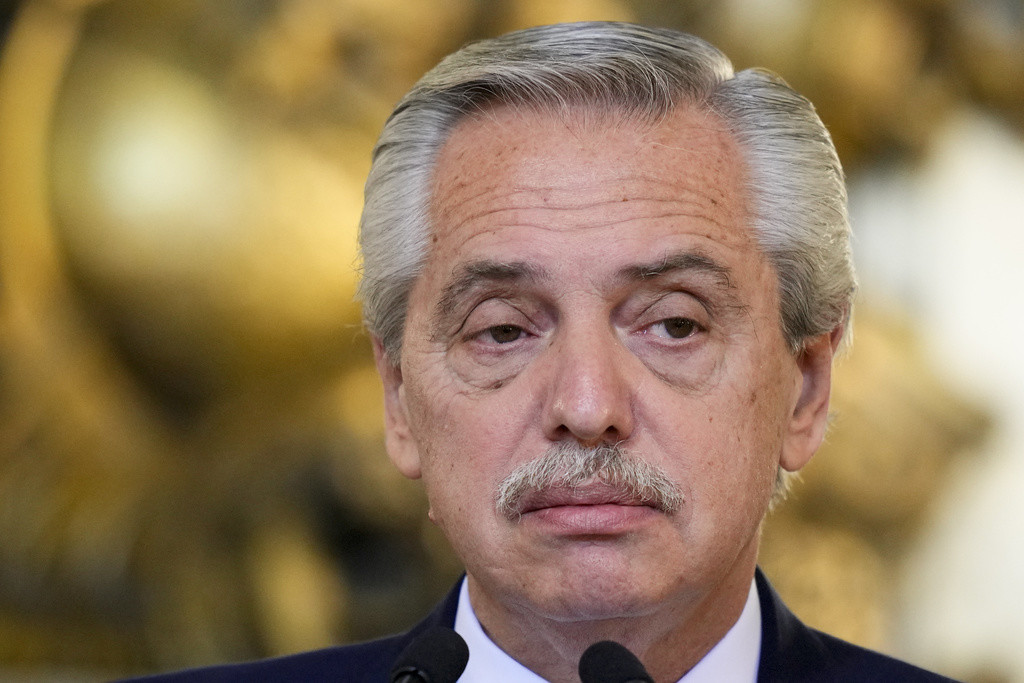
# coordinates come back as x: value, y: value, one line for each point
x: 401, y: 446
x: 809, y: 420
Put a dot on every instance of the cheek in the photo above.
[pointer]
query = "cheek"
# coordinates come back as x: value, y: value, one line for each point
x: 459, y: 437
x: 760, y: 433
x: 735, y: 436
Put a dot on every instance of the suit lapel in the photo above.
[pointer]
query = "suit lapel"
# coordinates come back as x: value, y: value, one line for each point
x: 789, y: 650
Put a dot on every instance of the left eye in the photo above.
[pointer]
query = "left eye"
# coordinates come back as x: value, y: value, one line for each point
x: 676, y: 328
x: 504, y: 334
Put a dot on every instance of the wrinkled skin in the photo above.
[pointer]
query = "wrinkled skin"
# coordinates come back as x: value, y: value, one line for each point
x: 596, y: 280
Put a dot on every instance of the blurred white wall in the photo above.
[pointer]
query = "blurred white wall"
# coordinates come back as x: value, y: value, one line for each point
x: 946, y: 242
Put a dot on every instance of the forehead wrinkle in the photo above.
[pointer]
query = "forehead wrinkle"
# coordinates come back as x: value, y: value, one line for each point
x: 476, y: 274
x: 693, y: 210
x: 459, y: 214
x: 609, y: 222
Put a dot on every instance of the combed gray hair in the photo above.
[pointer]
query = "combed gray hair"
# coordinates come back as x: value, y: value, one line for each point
x: 798, y: 196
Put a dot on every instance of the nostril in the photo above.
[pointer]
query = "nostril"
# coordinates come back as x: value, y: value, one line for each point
x: 589, y: 395
x: 608, y: 437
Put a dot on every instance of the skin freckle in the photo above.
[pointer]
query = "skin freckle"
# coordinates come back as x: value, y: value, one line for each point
x: 603, y: 227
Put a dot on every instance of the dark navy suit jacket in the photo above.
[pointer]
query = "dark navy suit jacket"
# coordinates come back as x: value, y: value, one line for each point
x: 790, y: 651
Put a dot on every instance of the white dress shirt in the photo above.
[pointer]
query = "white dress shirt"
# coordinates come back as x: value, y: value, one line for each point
x: 734, y: 659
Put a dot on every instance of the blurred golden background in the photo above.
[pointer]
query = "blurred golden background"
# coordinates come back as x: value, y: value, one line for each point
x: 191, y: 459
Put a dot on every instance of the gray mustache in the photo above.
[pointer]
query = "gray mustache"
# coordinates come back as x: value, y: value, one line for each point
x: 568, y: 465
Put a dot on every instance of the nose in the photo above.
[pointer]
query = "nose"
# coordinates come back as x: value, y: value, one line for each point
x: 590, y: 397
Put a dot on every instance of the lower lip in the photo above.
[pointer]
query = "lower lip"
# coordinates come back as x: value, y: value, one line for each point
x: 591, y: 520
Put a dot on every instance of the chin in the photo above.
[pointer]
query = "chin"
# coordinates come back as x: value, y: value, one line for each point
x: 584, y: 595
x: 591, y: 607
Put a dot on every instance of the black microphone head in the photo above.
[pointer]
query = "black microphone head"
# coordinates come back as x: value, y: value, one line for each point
x: 438, y: 655
x: 609, y: 662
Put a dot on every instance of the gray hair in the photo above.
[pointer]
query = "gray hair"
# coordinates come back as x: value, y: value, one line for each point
x: 569, y: 464
x: 798, y: 197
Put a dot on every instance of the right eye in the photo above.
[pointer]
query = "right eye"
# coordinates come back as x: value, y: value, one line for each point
x: 675, y: 328
x: 504, y: 334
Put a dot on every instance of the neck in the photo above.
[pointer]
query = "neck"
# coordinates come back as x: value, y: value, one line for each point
x: 669, y: 640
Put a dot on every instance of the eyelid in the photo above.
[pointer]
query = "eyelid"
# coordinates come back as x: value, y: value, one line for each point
x: 510, y: 314
x: 464, y: 311
x: 675, y: 303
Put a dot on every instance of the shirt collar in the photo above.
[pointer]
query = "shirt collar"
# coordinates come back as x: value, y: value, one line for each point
x: 734, y: 658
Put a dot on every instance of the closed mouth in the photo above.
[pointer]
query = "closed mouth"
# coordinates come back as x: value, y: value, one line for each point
x: 596, y: 493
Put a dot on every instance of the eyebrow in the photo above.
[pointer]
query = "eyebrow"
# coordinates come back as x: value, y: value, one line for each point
x: 478, y: 274
x: 684, y: 261
x: 481, y: 274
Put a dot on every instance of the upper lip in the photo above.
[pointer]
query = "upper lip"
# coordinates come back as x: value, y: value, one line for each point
x: 586, y: 494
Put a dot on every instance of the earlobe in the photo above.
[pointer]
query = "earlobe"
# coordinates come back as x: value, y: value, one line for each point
x: 401, y: 446
x: 810, y: 414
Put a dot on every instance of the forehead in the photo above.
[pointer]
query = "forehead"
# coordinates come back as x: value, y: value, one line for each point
x: 522, y: 179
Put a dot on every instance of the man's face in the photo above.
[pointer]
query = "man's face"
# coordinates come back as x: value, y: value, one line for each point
x: 592, y: 281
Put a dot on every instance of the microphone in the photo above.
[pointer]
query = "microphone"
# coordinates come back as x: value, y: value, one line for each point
x: 609, y: 662
x: 438, y: 655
